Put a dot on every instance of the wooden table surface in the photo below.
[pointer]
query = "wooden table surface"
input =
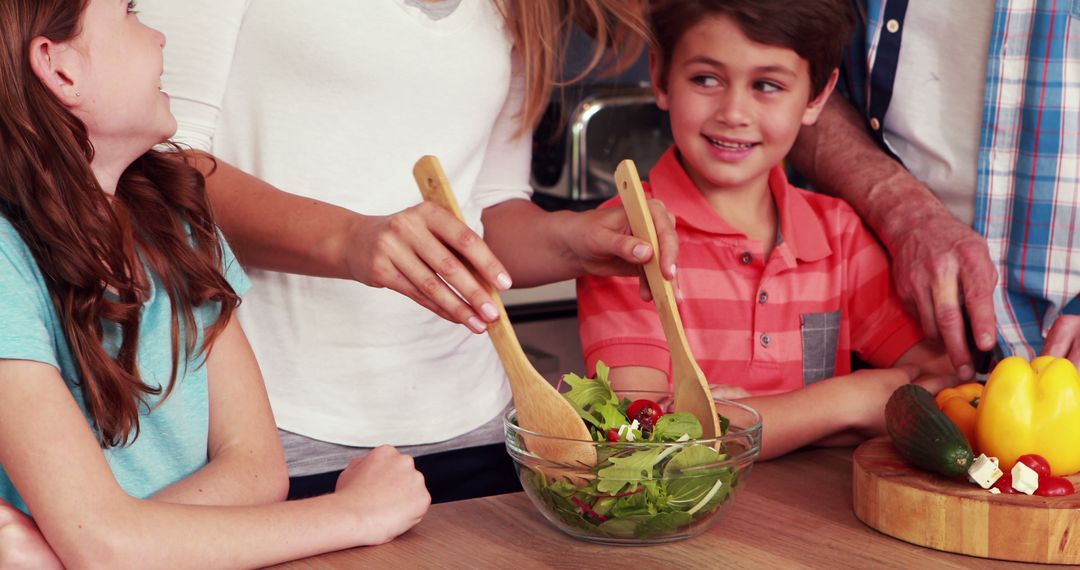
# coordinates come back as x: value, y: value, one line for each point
x: 794, y: 512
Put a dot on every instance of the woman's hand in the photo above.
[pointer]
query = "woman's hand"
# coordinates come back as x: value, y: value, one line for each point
x: 419, y: 252
x: 22, y: 544
x: 386, y: 493
x: 603, y: 243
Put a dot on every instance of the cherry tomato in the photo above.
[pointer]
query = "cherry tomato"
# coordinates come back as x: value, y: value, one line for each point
x: 646, y: 412
x: 1004, y: 484
x: 1037, y: 463
x: 1054, y: 487
x: 613, y: 434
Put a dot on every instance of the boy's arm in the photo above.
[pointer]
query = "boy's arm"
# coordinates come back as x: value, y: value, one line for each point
x: 828, y: 412
x: 938, y: 269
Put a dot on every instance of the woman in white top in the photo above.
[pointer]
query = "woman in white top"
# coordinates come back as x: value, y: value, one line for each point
x: 332, y: 103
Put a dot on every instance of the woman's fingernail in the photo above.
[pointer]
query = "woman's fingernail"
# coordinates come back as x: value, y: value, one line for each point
x: 477, y: 325
x: 490, y: 311
x: 986, y: 339
x: 965, y: 372
x: 641, y: 250
x: 504, y: 281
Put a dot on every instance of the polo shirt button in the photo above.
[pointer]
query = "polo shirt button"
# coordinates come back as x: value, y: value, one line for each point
x: 763, y: 296
x: 747, y: 258
x: 875, y: 123
x: 765, y: 340
x: 893, y: 26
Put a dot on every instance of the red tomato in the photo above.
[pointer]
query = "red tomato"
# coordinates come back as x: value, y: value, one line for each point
x: 1054, y: 487
x: 1004, y: 484
x: 613, y: 434
x: 646, y: 412
x: 1037, y: 463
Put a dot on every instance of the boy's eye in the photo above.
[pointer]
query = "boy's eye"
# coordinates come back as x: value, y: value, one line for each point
x: 768, y: 86
x: 705, y: 80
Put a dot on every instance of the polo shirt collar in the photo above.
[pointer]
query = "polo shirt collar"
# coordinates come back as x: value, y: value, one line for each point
x: 800, y: 225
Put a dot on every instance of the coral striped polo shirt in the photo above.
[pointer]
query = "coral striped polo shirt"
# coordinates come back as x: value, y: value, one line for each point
x: 768, y: 325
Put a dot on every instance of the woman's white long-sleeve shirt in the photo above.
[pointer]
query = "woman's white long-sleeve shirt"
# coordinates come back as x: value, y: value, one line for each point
x: 336, y: 100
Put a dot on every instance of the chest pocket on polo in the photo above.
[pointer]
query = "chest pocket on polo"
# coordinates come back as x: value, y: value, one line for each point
x: 820, y: 335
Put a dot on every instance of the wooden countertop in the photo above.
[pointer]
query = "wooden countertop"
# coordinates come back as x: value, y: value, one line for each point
x: 794, y: 512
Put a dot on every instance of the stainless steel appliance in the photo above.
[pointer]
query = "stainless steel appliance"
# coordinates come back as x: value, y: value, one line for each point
x: 579, y: 143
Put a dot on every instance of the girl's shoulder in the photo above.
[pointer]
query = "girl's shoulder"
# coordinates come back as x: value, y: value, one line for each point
x: 15, y: 254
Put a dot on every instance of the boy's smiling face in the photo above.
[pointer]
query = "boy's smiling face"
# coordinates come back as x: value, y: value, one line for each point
x: 736, y: 105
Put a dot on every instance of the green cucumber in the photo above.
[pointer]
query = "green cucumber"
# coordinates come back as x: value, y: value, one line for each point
x: 923, y: 435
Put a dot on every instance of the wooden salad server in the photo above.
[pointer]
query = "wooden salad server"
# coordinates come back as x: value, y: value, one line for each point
x: 691, y: 391
x: 540, y: 407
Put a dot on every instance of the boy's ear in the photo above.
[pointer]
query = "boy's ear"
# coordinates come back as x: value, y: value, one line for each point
x: 53, y: 63
x: 813, y: 109
x: 655, y: 72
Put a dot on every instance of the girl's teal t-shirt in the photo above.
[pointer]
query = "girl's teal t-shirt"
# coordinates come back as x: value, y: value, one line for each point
x: 172, y: 441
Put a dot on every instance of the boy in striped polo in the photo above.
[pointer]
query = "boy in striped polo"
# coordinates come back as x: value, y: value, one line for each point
x: 780, y: 285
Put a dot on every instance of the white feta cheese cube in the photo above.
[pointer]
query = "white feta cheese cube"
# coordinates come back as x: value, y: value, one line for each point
x: 984, y: 471
x: 1024, y: 479
x: 994, y: 491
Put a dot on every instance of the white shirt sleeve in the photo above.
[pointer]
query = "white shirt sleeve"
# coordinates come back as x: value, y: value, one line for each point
x: 200, y: 38
x: 508, y: 158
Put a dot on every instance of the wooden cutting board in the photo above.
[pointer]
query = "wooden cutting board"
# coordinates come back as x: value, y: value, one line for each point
x: 958, y: 516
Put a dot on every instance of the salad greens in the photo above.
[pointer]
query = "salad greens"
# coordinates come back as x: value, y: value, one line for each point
x: 638, y: 491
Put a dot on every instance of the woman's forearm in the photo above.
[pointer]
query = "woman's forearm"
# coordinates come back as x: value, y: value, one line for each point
x: 272, y: 229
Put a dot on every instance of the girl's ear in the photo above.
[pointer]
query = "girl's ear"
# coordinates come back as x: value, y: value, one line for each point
x: 655, y: 72
x: 813, y: 109
x: 56, y: 66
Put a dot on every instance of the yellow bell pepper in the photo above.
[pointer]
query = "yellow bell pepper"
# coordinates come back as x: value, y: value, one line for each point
x: 961, y: 405
x: 1032, y: 408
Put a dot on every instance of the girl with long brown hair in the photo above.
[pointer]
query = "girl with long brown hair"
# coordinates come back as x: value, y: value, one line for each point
x: 134, y: 425
x: 333, y: 103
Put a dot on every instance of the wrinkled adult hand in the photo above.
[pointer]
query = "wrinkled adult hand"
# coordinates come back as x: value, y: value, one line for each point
x: 936, y: 264
x: 605, y: 245
x: 22, y: 544
x: 385, y: 492
x: 1063, y: 340
x: 418, y: 252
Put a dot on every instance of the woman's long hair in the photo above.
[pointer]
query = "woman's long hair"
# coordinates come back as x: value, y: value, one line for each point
x: 91, y: 250
x: 541, y: 30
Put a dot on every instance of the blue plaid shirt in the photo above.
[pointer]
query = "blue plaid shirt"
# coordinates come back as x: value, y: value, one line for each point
x: 1028, y: 191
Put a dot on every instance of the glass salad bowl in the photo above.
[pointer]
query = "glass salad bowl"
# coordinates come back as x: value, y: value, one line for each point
x: 651, y: 487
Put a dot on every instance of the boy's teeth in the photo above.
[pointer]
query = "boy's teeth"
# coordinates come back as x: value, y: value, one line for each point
x: 731, y: 146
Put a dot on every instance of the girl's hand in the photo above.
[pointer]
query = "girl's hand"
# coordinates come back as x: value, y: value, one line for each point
x: 385, y: 492
x: 604, y: 244
x: 419, y: 253
x: 22, y: 544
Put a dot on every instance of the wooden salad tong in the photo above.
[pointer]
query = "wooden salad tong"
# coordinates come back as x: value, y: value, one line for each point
x: 691, y: 391
x: 540, y: 407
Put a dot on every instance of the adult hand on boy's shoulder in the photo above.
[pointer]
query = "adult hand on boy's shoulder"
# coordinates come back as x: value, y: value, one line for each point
x: 605, y: 244
x: 1063, y: 340
x: 938, y: 266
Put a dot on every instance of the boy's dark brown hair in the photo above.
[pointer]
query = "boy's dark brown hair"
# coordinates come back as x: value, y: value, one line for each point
x: 817, y: 30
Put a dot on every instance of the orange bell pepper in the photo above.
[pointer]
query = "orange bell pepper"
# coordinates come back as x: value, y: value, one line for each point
x: 961, y: 405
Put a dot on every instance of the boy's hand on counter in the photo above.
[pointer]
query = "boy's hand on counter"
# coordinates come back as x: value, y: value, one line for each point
x: 605, y: 244
x: 865, y: 392
x: 422, y: 252
x: 384, y: 493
